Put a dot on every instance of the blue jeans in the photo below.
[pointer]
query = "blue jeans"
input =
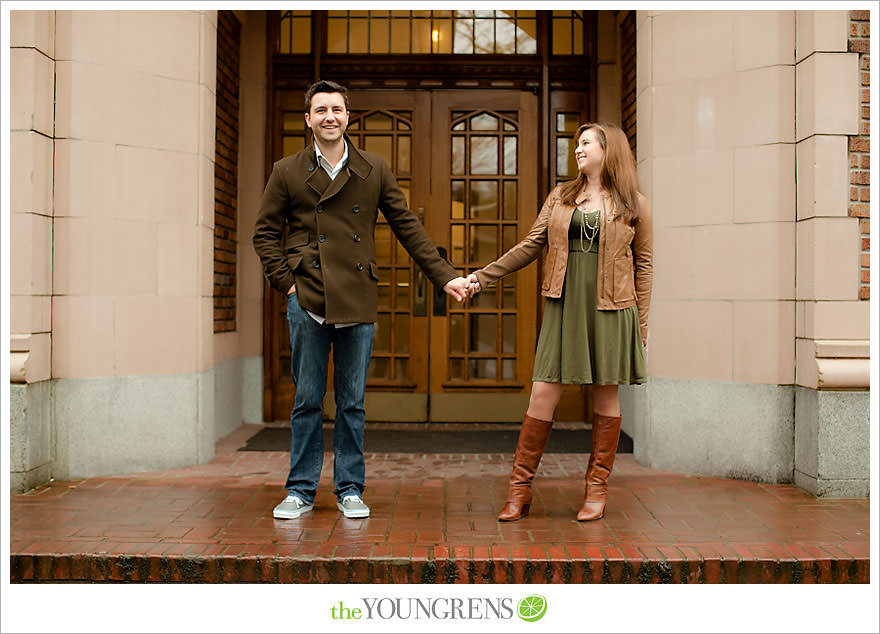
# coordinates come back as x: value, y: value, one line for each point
x: 310, y: 344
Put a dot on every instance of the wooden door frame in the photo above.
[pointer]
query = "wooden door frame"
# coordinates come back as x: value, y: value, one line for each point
x: 542, y: 74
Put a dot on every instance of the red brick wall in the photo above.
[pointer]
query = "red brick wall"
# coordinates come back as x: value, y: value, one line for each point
x: 859, y: 145
x: 628, y: 77
x: 226, y: 171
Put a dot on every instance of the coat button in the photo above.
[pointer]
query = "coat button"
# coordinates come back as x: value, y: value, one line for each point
x: 357, y: 238
x: 321, y: 238
x: 360, y: 267
x: 316, y: 264
x: 356, y: 208
x: 311, y: 168
x: 319, y: 208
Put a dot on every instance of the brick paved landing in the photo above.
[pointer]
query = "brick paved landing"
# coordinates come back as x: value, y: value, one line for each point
x: 433, y: 521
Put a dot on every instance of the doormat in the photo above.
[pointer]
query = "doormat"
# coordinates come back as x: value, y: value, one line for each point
x: 415, y: 441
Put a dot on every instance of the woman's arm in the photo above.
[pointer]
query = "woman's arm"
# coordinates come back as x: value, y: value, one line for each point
x: 522, y: 253
x: 643, y: 261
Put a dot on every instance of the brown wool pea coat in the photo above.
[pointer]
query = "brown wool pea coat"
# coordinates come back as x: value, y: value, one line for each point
x: 626, y: 256
x: 329, y: 251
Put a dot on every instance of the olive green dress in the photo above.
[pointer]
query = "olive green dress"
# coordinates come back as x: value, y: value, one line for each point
x: 579, y: 344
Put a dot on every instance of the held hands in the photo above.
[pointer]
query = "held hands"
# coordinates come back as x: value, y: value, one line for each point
x: 473, y: 285
x: 457, y: 288
x: 461, y: 288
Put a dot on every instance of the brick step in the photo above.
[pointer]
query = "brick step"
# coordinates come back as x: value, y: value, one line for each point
x: 436, y: 567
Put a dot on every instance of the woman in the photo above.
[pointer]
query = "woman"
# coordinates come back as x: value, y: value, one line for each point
x: 597, y: 285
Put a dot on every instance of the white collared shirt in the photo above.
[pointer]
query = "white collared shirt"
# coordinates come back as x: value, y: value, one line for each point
x: 332, y: 172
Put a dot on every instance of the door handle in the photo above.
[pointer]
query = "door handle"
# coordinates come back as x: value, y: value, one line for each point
x: 439, y: 293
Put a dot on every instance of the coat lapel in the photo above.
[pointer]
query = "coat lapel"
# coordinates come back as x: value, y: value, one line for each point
x: 336, y: 184
x: 317, y: 178
x: 320, y: 182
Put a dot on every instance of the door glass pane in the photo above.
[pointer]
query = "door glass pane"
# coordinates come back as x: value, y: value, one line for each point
x: 379, y: 369
x: 484, y: 244
x: 505, y: 37
x: 377, y: 121
x: 357, y: 35
x: 484, y: 200
x: 458, y: 154
x: 561, y: 36
x: 399, y: 36
x: 457, y: 199
x: 401, y: 369
x: 404, y: 187
x: 458, y: 243
x: 401, y: 333
x: 482, y: 368
x: 380, y: 145
x: 464, y: 36
x: 421, y: 36
x: 484, y: 155
x: 508, y: 333
x: 403, y: 288
x: 404, y: 151
x: 378, y: 36
x: 382, y: 333
x: 337, y: 35
x: 508, y: 369
x: 564, y: 158
x: 484, y: 36
x: 383, y: 243
x: 510, y: 200
x: 456, y: 369
x: 441, y: 36
x: 510, y: 155
x: 508, y: 296
x: 293, y: 144
x: 526, y: 37
x: 293, y: 121
x: 567, y: 122
x: 484, y: 333
x: 486, y: 298
x: 456, y: 332
x: 384, y: 287
x: 508, y: 237
x: 484, y: 121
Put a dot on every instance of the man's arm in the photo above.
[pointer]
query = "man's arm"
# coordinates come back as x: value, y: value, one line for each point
x: 268, y: 230
x: 412, y: 235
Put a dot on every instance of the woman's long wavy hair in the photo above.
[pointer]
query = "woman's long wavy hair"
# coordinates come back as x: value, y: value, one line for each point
x: 618, y: 175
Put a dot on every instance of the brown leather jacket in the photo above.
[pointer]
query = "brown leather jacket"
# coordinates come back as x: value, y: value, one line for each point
x: 626, y: 256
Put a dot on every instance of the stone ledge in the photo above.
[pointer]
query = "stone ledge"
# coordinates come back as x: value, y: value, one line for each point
x: 680, y: 566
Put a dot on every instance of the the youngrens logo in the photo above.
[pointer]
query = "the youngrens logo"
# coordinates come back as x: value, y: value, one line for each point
x: 530, y: 608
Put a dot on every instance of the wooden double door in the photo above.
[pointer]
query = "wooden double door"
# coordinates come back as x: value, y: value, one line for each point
x: 467, y: 161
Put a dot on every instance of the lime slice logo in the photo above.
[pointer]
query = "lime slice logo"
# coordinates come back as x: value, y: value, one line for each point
x: 532, y: 607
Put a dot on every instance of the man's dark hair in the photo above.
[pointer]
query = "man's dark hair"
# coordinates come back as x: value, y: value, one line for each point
x: 325, y: 85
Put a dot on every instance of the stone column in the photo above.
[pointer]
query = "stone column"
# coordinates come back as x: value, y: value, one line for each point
x: 715, y: 117
x: 831, y: 427
x: 132, y: 349
x: 32, y: 65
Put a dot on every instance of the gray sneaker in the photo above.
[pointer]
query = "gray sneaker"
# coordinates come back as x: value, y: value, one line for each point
x: 353, y: 507
x: 291, y: 508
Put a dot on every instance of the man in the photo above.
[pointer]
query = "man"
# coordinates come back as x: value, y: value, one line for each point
x: 328, y: 197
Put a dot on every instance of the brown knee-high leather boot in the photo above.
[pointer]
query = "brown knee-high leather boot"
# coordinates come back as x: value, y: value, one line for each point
x: 606, y: 434
x: 533, y: 437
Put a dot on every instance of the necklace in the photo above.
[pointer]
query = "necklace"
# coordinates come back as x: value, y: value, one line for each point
x: 590, y: 231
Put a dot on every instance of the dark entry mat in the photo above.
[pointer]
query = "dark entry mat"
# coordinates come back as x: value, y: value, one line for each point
x: 416, y: 441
